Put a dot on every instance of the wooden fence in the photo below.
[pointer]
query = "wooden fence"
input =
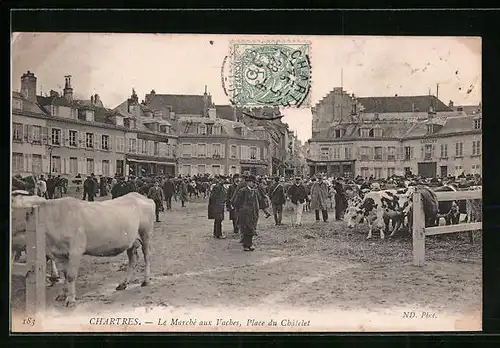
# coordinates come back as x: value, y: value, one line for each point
x: 34, y: 270
x: 420, y: 231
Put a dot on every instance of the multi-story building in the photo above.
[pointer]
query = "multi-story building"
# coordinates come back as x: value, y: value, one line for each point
x: 392, y: 135
x: 59, y: 135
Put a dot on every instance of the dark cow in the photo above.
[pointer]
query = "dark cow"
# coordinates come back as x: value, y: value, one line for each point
x: 450, y: 210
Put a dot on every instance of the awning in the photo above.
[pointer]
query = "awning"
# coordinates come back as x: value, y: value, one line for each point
x: 146, y: 161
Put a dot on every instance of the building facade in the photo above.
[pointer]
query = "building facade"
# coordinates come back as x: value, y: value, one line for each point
x: 391, y: 135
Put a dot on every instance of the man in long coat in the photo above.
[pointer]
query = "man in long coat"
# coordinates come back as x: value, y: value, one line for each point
x: 90, y: 188
x: 168, y: 191
x: 233, y: 214
x: 319, y: 198
x: 156, y: 194
x: 340, y: 200
x: 277, y: 197
x: 247, y: 202
x: 216, y: 208
x: 183, y: 191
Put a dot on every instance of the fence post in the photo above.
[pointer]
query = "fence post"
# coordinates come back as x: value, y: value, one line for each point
x: 418, y: 230
x: 35, y: 279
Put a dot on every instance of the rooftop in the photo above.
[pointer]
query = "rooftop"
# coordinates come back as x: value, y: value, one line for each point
x: 402, y: 104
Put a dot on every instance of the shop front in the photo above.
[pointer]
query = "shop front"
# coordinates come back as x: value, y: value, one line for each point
x: 254, y: 168
x: 147, y: 167
x: 332, y: 168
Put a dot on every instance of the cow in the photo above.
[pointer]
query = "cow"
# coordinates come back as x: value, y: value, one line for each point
x: 18, y: 229
x: 75, y: 228
x: 378, y: 208
x: 474, y: 207
x: 450, y: 210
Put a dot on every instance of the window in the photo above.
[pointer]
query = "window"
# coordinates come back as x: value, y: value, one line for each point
x: 168, y: 150
x: 476, y: 169
x: 163, y: 129
x: 337, y: 133
x: 477, y: 123
x: 459, y: 149
x: 73, y: 165
x: 119, y: 167
x: 158, y: 114
x: 202, y: 129
x: 36, y: 134
x: 233, y: 151
x: 132, y: 143
x: 120, y: 144
x: 336, y: 153
x: 216, y: 150
x: 74, y: 114
x: 347, y: 153
x: 378, y: 173
x: 232, y: 170
x: 325, y: 154
x: 56, y: 164
x: 378, y: 154
x: 364, y: 153
x: 105, y: 142
x: 444, y: 150
x: 144, y: 146
x: 202, y: 150
x: 458, y: 170
x: 364, y: 132
x: 17, y: 104
x: 216, y: 169
x: 476, y: 147
x: 391, y: 172
x: 17, y: 132
x: 243, y: 132
x: 73, y: 135
x: 217, y: 130
x: 17, y: 162
x: 156, y: 150
x: 105, y: 167
x: 430, y: 128
x: 186, y: 169
x: 36, y: 164
x: 55, y: 110
x: 89, y: 140
x: 201, y: 169
x: 186, y: 150
x: 408, y: 153
x: 90, y: 166
x: 253, y: 152
x: 391, y: 153
x: 377, y: 132
x: 56, y: 136
x: 428, y: 152
x: 365, y: 172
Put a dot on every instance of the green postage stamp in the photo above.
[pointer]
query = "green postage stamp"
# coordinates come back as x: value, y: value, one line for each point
x: 269, y: 74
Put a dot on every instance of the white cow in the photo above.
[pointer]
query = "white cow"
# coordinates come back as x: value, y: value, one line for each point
x: 75, y: 228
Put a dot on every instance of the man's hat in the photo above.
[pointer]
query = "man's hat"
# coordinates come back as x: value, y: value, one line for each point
x: 298, y: 178
x: 250, y: 177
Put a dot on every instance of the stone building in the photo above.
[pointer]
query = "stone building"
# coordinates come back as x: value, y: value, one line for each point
x: 392, y: 135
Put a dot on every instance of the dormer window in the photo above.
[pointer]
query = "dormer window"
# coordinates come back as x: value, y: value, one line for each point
x: 17, y: 104
x: 202, y: 129
x: 126, y: 123
x: 243, y: 132
x: 217, y: 130
x: 477, y: 123
x: 377, y: 132
x: 89, y: 115
x: 370, y: 133
x: 54, y: 110
x: 430, y: 128
x: 338, y: 133
x: 158, y: 114
x: 163, y: 129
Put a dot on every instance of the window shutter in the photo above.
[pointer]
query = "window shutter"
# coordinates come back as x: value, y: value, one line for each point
x: 111, y: 169
x: 433, y: 151
x: 46, y: 165
x: 45, y: 135
x: 82, y: 166
x: 97, y: 141
x: 222, y: 170
x: 258, y: 154
x: 421, y: 152
x: 26, y: 133
x: 384, y: 153
x: 151, y: 147
x: 25, y: 164
x: 194, y: 150
x: 111, y: 142
x: 162, y: 149
x: 223, y: 150
x: 210, y: 150
x: 98, y: 167
x: 82, y: 140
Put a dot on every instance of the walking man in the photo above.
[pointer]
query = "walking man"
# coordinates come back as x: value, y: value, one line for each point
x: 247, y: 202
x: 319, y: 198
x: 298, y: 197
x: 90, y: 188
x: 233, y: 214
x: 277, y: 197
x: 216, y: 207
x: 168, y: 191
x: 156, y: 194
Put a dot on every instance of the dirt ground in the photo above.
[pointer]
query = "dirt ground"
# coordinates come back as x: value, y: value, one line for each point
x: 314, y: 266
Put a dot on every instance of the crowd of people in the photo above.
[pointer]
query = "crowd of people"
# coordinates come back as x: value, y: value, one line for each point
x: 244, y: 196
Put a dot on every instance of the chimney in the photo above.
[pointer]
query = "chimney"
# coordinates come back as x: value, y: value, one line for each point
x: 68, y: 90
x: 212, y: 114
x: 28, y: 86
x: 205, y: 102
x: 92, y: 99
x: 450, y: 104
x: 54, y: 93
x: 97, y: 100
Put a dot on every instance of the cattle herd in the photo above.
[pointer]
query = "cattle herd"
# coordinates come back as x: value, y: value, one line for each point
x: 75, y: 227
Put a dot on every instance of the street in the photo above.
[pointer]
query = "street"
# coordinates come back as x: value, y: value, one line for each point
x: 316, y: 266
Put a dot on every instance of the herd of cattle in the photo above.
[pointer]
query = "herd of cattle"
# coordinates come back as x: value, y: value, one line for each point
x: 75, y: 227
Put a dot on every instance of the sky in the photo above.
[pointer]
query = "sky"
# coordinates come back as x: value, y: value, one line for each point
x: 112, y: 64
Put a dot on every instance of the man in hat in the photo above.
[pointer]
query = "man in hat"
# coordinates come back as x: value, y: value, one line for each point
x: 156, y: 194
x: 298, y: 197
x: 231, y: 191
x: 247, y: 202
x: 90, y: 187
x: 277, y: 197
x: 216, y: 207
x: 168, y: 191
x: 319, y: 198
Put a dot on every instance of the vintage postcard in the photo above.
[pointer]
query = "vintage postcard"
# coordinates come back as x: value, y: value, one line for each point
x: 244, y: 183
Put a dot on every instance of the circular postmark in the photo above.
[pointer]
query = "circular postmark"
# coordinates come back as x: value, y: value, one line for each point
x: 269, y: 75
